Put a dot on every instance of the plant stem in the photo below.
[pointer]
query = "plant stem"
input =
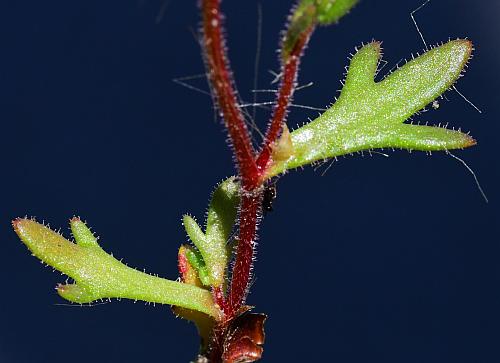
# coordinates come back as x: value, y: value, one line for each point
x: 225, y: 94
x: 219, y: 299
x: 251, y: 167
x: 219, y: 74
x: 289, y: 71
x: 249, y: 219
x: 251, y: 203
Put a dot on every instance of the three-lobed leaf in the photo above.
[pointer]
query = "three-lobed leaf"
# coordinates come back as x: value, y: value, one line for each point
x: 99, y: 275
x: 370, y: 114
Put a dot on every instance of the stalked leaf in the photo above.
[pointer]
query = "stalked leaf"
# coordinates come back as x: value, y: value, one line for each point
x: 99, y: 275
x: 370, y: 115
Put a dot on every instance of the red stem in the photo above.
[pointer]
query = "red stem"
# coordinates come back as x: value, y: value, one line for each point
x: 250, y: 166
x: 251, y: 203
x: 225, y: 93
x: 249, y: 218
x: 219, y: 299
x: 289, y: 73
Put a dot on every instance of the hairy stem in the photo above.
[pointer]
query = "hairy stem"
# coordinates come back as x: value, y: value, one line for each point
x: 225, y: 94
x: 251, y: 167
x: 219, y: 73
x: 219, y: 299
x: 251, y: 203
x: 289, y: 71
x: 249, y: 219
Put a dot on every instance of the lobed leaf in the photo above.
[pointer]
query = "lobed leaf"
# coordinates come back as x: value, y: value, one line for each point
x: 221, y: 217
x: 99, y: 275
x: 370, y: 114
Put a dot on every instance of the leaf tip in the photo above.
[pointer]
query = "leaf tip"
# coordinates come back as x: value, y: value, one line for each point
x: 17, y: 223
x: 463, y: 49
x: 22, y: 225
x: 469, y: 141
x: 75, y: 219
x: 376, y: 44
x: 74, y: 293
x: 467, y: 43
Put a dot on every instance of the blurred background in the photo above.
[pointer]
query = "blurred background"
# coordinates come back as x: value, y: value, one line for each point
x: 375, y: 260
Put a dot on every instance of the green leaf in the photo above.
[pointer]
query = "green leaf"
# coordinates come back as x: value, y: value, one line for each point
x: 302, y: 20
x: 307, y: 14
x: 99, y: 275
x: 329, y: 11
x: 324, y: 12
x: 196, y: 261
x: 370, y: 114
x: 221, y: 217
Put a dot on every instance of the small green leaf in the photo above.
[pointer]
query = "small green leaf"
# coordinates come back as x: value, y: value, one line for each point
x: 302, y: 20
x: 307, y: 14
x: 223, y: 209
x: 196, y: 261
x: 99, y: 275
x: 329, y: 11
x: 221, y: 217
x: 370, y: 114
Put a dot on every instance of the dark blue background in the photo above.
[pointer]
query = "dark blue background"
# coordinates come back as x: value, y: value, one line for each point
x: 379, y: 260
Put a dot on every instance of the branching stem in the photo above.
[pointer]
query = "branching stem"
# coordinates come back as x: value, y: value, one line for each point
x: 252, y: 168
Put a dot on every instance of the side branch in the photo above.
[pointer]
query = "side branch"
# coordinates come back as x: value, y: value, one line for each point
x: 219, y: 73
x: 289, y: 70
